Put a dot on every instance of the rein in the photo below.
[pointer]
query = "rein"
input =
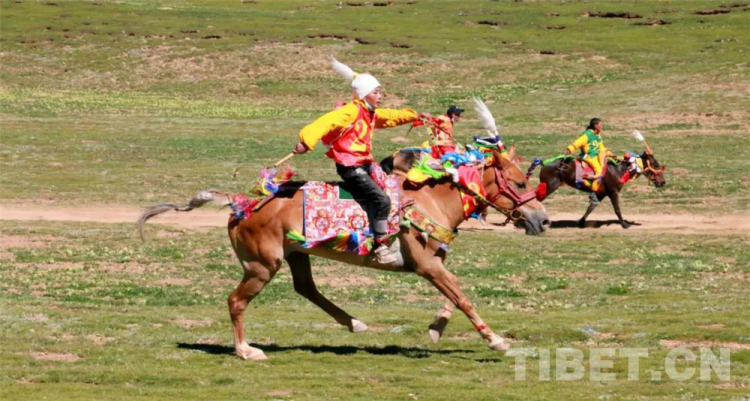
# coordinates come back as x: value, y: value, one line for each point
x: 652, y: 170
x: 504, y: 189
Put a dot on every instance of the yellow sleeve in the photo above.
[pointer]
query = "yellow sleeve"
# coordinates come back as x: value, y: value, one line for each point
x: 602, y: 149
x: 334, y: 121
x: 581, y: 141
x: 390, y: 117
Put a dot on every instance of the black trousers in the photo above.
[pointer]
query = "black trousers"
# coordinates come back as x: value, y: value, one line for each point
x: 373, y: 199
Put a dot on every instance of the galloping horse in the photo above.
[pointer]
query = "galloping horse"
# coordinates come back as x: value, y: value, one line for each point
x: 563, y: 172
x: 260, y: 244
x: 403, y: 160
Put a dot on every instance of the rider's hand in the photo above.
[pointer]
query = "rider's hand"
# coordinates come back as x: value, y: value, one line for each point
x: 300, y: 148
x: 567, y: 152
x: 425, y: 115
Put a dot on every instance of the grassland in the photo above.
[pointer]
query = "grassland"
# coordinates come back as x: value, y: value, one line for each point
x: 148, y: 321
x: 130, y: 103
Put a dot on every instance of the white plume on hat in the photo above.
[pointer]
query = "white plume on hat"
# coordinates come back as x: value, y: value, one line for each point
x: 362, y: 84
x: 485, y: 117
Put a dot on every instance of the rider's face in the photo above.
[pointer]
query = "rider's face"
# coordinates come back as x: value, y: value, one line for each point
x: 373, y: 98
x: 598, y: 127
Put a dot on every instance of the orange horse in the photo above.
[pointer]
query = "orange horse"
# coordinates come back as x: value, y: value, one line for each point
x: 261, y: 244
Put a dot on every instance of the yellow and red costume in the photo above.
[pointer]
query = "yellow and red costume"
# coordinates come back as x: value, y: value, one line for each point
x: 442, y: 135
x: 593, y: 153
x: 347, y: 131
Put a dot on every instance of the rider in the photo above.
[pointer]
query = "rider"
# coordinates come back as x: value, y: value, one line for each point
x: 347, y: 132
x: 593, y: 153
x: 442, y: 131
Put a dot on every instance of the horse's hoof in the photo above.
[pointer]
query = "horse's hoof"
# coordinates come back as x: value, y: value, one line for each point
x: 438, y: 327
x: 625, y: 225
x: 251, y: 354
x: 499, y: 344
x: 357, y: 326
x: 435, y: 335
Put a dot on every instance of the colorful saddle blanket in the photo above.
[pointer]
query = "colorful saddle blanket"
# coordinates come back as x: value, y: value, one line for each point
x: 583, y: 171
x: 329, y: 210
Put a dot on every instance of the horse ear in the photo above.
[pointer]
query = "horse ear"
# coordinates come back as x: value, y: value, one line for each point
x: 512, y: 152
x: 502, y: 161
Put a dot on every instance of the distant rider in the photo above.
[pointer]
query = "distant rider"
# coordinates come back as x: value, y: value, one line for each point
x: 593, y: 153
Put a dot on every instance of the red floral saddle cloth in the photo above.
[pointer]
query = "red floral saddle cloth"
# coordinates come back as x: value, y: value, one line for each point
x: 329, y: 209
x: 584, y: 171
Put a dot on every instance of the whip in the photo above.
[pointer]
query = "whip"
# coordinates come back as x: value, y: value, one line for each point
x: 287, y: 157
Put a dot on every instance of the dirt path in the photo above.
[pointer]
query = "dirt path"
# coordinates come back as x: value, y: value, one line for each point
x: 201, y: 219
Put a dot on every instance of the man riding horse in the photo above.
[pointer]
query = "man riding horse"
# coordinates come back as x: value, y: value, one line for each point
x: 610, y: 177
x: 347, y: 132
x: 593, y: 153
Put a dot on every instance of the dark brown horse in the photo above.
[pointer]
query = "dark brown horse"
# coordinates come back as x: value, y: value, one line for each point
x: 261, y: 245
x: 563, y: 172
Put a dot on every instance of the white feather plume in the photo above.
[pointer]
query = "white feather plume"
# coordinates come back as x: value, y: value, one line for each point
x: 485, y: 116
x: 637, y: 135
x: 343, y: 69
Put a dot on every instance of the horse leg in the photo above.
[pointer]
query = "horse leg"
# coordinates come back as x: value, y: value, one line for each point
x: 260, y: 263
x: 437, y: 327
x: 614, y: 197
x: 592, y: 206
x: 447, y: 283
x: 299, y: 263
x: 255, y: 279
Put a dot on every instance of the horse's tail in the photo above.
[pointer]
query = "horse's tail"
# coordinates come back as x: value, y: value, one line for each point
x: 198, y: 200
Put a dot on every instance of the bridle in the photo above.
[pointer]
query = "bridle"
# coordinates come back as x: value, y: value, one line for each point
x: 656, y: 172
x: 509, y: 191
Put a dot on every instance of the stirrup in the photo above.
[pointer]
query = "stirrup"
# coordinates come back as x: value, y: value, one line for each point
x: 384, y: 255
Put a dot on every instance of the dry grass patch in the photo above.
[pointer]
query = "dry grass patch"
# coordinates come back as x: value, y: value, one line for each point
x: 713, y: 326
x: 8, y: 241
x: 99, y: 339
x: 173, y: 282
x: 349, y: 280
x: 54, y: 356
x: 704, y: 344
x: 190, y: 323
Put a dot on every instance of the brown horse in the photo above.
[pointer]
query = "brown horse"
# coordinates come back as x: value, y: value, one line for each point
x: 260, y: 244
x: 563, y: 172
x: 403, y: 160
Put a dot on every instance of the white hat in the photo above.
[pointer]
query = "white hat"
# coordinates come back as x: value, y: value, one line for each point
x: 362, y: 84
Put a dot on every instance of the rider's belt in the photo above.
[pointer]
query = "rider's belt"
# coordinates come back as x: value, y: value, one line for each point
x: 413, y: 217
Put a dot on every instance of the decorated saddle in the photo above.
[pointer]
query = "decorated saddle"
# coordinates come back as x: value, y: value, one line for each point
x: 334, y: 219
x: 584, y: 171
x: 329, y: 208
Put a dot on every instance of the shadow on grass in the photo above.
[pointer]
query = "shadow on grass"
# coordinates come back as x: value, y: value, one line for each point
x: 409, y: 352
x: 589, y: 223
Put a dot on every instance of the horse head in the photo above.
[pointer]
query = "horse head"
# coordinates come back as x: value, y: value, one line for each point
x: 509, y: 191
x: 652, y: 169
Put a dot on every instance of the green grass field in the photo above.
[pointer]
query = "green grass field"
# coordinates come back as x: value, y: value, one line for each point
x: 118, y: 103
